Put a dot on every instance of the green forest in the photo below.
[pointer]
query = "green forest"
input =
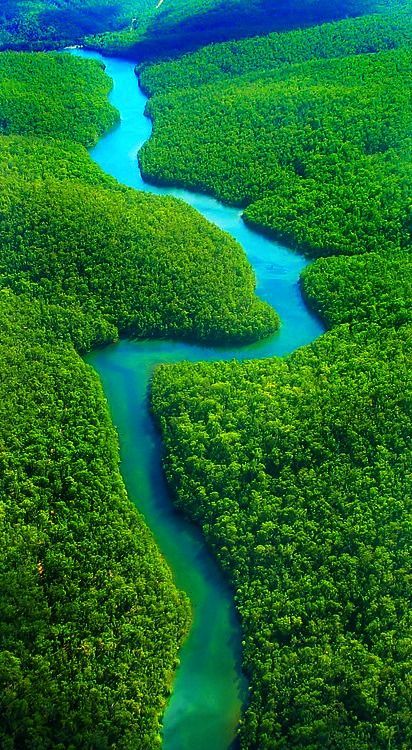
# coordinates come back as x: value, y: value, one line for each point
x: 317, y: 151
x: 71, y: 236
x: 83, y: 585
x: 296, y: 469
x: 82, y: 261
x: 174, y: 27
x: 147, y: 28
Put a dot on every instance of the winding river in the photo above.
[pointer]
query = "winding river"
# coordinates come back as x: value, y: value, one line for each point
x: 209, y: 688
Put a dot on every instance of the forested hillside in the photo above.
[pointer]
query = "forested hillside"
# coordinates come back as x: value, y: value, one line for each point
x: 36, y: 24
x: 148, y: 27
x: 174, y: 26
x: 298, y: 470
x: 82, y: 260
x: 221, y: 62
x: 373, y: 287
x: 317, y: 151
x: 129, y: 262
x: 83, y: 586
x: 54, y: 95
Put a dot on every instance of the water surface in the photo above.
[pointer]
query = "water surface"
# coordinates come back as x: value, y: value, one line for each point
x: 209, y: 688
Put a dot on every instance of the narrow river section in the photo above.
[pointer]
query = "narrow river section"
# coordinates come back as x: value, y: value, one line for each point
x: 209, y: 689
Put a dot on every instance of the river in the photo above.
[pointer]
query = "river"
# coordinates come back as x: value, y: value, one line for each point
x: 209, y: 688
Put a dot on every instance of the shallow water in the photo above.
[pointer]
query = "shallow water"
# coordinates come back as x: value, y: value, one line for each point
x: 209, y: 688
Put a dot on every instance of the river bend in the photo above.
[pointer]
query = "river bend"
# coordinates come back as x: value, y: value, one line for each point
x: 209, y: 688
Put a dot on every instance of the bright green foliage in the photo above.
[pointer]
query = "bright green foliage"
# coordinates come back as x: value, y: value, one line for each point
x: 147, y: 265
x: 32, y: 159
x: 297, y: 471
x: 122, y: 261
x: 90, y: 620
x: 372, y: 288
x: 319, y: 151
x: 83, y: 586
x: 56, y: 95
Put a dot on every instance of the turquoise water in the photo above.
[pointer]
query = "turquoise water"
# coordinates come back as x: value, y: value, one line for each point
x: 209, y: 688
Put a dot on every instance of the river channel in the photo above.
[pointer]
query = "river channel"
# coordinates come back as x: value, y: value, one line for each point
x: 209, y: 688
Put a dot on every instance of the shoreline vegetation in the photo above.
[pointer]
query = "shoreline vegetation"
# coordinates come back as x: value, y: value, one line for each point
x: 296, y: 469
x: 82, y: 260
x: 315, y: 150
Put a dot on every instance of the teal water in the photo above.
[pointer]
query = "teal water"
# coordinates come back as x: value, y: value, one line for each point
x: 209, y: 688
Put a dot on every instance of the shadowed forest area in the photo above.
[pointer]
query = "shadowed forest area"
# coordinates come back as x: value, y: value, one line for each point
x: 143, y: 28
x: 298, y: 469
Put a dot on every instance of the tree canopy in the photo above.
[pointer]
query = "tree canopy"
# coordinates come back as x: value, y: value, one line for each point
x: 90, y: 619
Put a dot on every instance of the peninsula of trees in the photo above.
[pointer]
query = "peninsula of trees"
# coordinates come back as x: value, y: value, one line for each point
x: 83, y: 260
x: 297, y: 469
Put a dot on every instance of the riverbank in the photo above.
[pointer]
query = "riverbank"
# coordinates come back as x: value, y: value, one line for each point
x: 209, y: 690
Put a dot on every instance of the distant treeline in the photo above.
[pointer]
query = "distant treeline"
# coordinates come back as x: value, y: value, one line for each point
x: 176, y: 27
x: 141, y: 28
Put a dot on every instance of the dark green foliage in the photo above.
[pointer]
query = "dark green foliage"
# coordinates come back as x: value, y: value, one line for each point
x: 140, y: 28
x: 224, y: 61
x: 37, y: 24
x: 83, y: 587
x: 297, y: 471
x: 175, y: 27
x: 141, y: 25
x: 318, y: 151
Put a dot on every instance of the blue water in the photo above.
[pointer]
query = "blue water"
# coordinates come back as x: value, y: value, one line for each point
x: 209, y: 688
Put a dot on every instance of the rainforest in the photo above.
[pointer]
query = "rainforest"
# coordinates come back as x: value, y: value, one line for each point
x: 205, y: 375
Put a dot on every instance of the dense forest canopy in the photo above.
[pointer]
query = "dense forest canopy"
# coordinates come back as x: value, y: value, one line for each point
x: 177, y: 26
x: 318, y: 151
x: 298, y: 472
x: 54, y: 95
x: 298, y: 469
x: 145, y: 27
x: 221, y: 62
x: 83, y: 586
x: 129, y: 262
x: 82, y: 260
